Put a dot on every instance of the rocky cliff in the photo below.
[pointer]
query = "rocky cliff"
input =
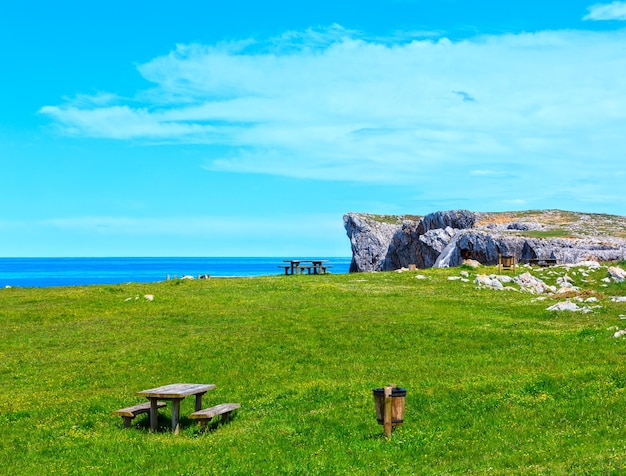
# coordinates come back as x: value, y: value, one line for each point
x: 447, y: 238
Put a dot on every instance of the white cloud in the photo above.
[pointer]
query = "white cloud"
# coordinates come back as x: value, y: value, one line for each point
x: 336, y: 105
x: 607, y: 11
x: 189, y: 225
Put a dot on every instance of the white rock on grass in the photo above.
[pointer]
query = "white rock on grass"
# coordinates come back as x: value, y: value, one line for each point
x: 620, y: 333
x: 564, y: 281
x: 572, y: 307
x: 618, y: 299
x: 491, y: 282
x: 618, y: 274
x: 149, y: 297
x: 584, y: 264
x: 471, y: 262
x: 531, y: 284
x: 420, y: 276
x: 565, y: 306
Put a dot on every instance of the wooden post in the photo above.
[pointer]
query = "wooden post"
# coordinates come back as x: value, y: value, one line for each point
x: 154, y: 415
x: 176, y: 415
x: 199, y: 401
x: 388, y: 410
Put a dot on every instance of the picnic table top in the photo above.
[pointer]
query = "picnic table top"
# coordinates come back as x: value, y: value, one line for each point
x: 177, y: 390
x: 305, y: 260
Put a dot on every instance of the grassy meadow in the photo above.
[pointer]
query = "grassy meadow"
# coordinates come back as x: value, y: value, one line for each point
x: 495, y: 382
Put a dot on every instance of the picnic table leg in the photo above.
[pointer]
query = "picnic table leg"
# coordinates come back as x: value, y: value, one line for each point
x: 199, y: 401
x: 176, y: 415
x: 154, y: 415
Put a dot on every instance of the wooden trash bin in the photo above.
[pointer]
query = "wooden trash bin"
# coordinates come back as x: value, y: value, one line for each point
x: 506, y: 263
x: 389, y: 402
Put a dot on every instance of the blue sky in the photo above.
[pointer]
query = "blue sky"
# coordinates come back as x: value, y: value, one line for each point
x: 247, y: 128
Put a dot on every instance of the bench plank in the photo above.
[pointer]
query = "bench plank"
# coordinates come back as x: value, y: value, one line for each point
x: 209, y: 413
x: 204, y: 416
x: 129, y: 413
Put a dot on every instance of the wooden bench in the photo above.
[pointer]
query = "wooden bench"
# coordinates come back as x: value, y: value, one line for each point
x: 131, y: 412
x: 204, y: 416
x: 542, y: 261
x: 286, y: 268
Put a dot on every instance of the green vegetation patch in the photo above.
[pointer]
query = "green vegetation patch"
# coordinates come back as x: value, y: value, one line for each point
x: 555, y: 233
x: 495, y: 382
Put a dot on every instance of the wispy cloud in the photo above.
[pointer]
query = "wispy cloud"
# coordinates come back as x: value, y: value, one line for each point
x: 334, y: 104
x: 183, y: 225
x: 607, y: 11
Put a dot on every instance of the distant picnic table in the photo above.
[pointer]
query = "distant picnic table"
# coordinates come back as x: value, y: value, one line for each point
x: 175, y: 392
x: 311, y: 266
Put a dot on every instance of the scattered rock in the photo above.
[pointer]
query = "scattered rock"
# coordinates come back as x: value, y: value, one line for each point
x: 618, y: 299
x: 617, y: 274
x: 572, y: 307
x: 584, y: 264
x: 620, y: 333
x: 149, y: 297
x: 472, y: 262
x: 565, y: 306
x: 531, y: 284
x: 489, y: 281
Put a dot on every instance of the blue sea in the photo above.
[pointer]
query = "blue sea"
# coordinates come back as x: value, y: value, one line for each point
x: 46, y: 272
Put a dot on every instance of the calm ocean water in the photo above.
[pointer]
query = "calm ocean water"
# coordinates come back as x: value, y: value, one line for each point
x: 45, y: 272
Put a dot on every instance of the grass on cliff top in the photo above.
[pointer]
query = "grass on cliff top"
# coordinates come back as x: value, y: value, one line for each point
x: 561, y: 223
x: 495, y: 382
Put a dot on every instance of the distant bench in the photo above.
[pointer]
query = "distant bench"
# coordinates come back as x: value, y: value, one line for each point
x: 129, y: 413
x: 542, y: 261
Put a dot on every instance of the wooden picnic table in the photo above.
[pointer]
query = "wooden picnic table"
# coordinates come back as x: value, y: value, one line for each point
x: 295, y: 266
x: 175, y: 392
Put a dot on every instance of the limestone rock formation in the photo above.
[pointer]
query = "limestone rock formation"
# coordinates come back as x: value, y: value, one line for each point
x: 370, y: 240
x: 448, y: 238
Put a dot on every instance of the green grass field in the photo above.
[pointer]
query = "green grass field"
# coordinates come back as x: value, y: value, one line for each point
x: 495, y: 382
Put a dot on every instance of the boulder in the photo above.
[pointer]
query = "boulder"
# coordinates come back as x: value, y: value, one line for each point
x: 617, y: 274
